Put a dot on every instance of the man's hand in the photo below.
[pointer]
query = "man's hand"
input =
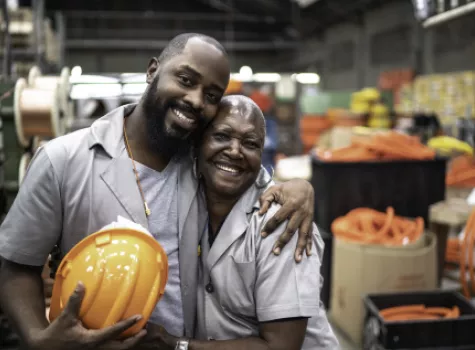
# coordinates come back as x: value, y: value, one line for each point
x: 297, y: 200
x: 67, y: 331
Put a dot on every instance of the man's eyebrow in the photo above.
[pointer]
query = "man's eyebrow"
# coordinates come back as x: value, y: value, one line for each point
x: 194, y: 72
x: 190, y: 70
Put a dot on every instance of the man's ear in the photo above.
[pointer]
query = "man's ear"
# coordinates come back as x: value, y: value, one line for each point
x: 152, y: 69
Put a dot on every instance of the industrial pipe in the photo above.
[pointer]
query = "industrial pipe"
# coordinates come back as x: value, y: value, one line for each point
x: 95, y: 44
x: 182, y: 16
x: 449, y: 15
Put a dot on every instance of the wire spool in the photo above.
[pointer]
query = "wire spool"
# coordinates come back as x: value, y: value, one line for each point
x: 50, y: 82
x: 36, y: 112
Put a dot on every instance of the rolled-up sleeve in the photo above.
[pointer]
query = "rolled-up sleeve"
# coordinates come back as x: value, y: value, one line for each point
x: 33, y: 224
x: 284, y: 288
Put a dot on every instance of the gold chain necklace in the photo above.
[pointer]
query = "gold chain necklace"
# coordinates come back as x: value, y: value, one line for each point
x: 129, y: 151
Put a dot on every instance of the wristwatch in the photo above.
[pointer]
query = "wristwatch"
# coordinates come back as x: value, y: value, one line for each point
x: 182, y: 345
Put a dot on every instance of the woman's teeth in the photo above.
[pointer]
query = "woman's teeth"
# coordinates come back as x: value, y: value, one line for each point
x: 228, y: 169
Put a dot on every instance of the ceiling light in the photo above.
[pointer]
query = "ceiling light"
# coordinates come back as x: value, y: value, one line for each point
x: 307, y: 78
x: 92, y: 79
x: 84, y: 91
x: 76, y: 71
x: 305, y: 3
x: 245, y: 73
x: 133, y: 77
x: 266, y: 77
x: 134, y: 89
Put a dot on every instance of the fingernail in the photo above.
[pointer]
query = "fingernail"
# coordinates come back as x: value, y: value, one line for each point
x: 277, y: 251
x: 79, y: 287
x: 299, y: 258
x: 138, y: 318
x: 264, y: 234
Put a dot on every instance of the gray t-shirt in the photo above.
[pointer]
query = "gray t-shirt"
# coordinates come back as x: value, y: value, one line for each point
x: 161, y: 191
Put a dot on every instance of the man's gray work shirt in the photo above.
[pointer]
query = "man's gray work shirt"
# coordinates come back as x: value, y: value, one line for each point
x: 80, y: 182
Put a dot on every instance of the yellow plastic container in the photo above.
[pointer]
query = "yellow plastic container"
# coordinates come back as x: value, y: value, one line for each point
x: 370, y: 94
x: 360, y: 107
x: 379, y: 110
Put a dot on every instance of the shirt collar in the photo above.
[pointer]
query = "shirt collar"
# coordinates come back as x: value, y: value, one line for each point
x: 108, y: 131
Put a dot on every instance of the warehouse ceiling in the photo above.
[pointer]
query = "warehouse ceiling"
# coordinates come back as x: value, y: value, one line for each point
x: 242, y: 25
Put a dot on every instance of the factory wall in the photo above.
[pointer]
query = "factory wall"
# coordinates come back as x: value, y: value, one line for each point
x: 352, y: 55
x: 109, y: 61
x: 348, y: 56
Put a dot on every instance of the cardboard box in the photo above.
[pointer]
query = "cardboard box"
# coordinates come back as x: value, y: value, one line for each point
x: 360, y: 269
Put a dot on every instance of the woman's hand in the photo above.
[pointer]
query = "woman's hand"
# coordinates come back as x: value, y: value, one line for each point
x: 157, y: 338
x: 297, y: 200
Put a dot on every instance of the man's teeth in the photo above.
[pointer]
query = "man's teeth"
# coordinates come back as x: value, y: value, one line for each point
x: 182, y: 116
x: 228, y: 169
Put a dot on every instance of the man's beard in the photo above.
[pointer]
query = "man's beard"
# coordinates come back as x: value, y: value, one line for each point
x: 163, y: 141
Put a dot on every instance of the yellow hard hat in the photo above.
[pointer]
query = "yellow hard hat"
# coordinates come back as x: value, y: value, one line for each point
x: 124, y: 272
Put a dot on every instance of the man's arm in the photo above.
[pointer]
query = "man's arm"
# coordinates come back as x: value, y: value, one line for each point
x: 22, y: 298
x: 28, y: 234
x: 286, y: 334
x: 297, y: 199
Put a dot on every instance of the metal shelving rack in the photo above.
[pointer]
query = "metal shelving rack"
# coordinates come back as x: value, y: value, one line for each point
x: 35, y: 53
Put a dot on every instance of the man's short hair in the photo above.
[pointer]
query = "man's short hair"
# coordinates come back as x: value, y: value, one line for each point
x: 178, y: 43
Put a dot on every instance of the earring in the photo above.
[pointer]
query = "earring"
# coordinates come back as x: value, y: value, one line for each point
x: 195, y: 167
x: 196, y: 172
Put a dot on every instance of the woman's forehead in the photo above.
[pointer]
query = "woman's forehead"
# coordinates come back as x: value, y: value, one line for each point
x: 237, y: 117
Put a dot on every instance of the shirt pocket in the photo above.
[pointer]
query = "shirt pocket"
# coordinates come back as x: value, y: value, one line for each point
x: 240, y: 280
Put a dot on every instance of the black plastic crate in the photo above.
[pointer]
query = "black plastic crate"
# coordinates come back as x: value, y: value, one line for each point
x: 454, y: 334
x: 410, y: 187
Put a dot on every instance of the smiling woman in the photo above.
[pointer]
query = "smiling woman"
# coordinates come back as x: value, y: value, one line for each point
x: 231, y: 152
x: 238, y: 306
